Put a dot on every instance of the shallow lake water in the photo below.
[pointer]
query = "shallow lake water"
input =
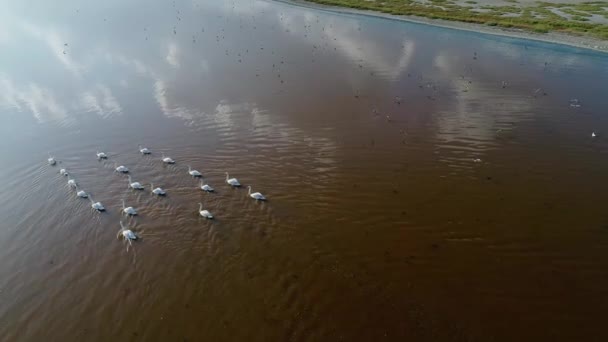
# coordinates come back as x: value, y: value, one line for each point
x: 423, y: 184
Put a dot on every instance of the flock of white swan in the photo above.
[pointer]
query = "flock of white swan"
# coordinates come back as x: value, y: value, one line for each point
x: 126, y: 233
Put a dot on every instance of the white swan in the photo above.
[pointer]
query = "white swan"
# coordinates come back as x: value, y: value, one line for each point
x: 101, y: 155
x: 81, y: 193
x: 232, y: 181
x: 144, y: 150
x: 135, y: 185
x: 63, y: 172
x: 51, y: 160
x: 204, y: 213
x: 120, y: 168
x: 72, y: 183
x: 256, y: 195
x: 194, y: 173
x: 96, y: 205
x: 128, y: 210
x: 157, y: 191
x: 167, y: 160
x: 593, y: 134
x: 206, y: 187
x: 126, y: 233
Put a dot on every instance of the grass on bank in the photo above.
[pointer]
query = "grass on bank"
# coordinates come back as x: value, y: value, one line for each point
x: 535, y: 18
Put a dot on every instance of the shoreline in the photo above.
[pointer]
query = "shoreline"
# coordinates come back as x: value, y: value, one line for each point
x: 550, y: 37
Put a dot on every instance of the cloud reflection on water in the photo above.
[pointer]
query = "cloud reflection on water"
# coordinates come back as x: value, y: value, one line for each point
x: 173, y: 55
x: 40, y: 101
x: 101, y: 101
x: 55, y: 42
x: 345, y: 35
x: 172, y: 71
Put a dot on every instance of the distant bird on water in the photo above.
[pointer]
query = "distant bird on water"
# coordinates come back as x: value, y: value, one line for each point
x: 232, y: 181
x: 121, y: 168
x: 256, y: 195
x: 206, y: 187
x: 144, y: 150
x: 126, y: 233
x: 204, y: 213
x: 96, y: 205
x: 194, y: 173
x: 157, y: 191
x: 167, y: 160
x: 130, y: 211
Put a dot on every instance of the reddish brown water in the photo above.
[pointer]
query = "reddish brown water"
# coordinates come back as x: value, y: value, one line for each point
x: 379, y: 226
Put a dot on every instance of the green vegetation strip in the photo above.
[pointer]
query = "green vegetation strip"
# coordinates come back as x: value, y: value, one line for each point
x: 541, y: 17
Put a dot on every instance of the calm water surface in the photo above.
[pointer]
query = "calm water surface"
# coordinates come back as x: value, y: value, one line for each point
x: 362, y: 132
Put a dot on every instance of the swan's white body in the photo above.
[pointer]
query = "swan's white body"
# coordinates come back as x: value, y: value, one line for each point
x: 97, y: 205
x: 101, y: 155
x: 135, y: 185
x: 144, y: 150
x: 126, y: 233
x: 157, y: 191
x: 194, y: 173
x: 63, y: 172
x: 256, y: 195
x: 204, y: 213
x: 72, y: 183
x: 167, y: 160
x: 129, y: 235
x: 128, y: 210
x: 121, y: 168
x: 206, y: 187
x: 82, y: 194
x: 232, y: 181
x: 51, y: 161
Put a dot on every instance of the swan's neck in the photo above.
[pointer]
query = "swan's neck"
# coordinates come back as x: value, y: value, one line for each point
x: 227, y: 176
x: 250, y: 190
x: 200, y: 207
